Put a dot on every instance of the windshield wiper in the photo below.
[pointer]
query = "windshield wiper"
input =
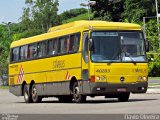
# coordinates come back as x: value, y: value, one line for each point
x: 134, y: 62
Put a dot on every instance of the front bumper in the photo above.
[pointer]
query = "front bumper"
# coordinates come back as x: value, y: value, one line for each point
x: 111, y: 88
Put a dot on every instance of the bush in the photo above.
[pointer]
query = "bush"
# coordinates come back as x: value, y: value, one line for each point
x: 154, y: 69
x: 154, y: 64
x: 5, y: 80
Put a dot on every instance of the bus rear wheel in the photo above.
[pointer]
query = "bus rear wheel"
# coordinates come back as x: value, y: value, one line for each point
x: 27, y: 95
x: 35, y: 97
x: 123, y: 97
x: 77, y: 96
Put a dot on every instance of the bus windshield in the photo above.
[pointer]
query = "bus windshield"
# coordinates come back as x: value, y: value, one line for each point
x: 121, y: 46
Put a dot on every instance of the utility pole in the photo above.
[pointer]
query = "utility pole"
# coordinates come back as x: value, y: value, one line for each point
x: 90, y: 3
x: 157, y: 14
x: 144, y: 24
x: 144, y: 27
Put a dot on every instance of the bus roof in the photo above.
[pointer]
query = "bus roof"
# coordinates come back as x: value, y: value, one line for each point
x: 77, y: 25
x: 95, y: 23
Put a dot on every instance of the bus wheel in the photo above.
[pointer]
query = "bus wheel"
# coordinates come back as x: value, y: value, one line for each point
x: 78, y: 98
x: 123, y: 97
x: 27, y: 95
x: 35, y: 97
x: 65, y: 98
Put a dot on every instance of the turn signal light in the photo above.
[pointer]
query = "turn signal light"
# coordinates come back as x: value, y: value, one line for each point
x: 92, y: 78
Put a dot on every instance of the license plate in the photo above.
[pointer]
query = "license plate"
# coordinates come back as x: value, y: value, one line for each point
x: 121, y: 90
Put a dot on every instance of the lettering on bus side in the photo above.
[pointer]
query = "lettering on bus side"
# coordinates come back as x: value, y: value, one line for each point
x: 58, y: 64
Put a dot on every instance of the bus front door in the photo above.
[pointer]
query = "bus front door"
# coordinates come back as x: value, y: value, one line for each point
x: 85, y: 64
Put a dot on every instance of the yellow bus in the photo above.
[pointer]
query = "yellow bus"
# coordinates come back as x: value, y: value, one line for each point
x: 80, y: 59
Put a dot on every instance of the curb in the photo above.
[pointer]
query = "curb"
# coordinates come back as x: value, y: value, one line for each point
x: 153, y: 90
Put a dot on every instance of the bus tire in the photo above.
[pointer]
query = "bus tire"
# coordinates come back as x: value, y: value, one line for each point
x: 65, y: 98
x: 123, y: 97
x: 27, y: 95
x: 35, y: 97
x: 77, y: 96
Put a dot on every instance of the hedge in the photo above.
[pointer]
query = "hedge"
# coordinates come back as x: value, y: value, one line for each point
x: 154, y: 64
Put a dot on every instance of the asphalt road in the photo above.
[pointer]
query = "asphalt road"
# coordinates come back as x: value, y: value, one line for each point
x: 138, y: 103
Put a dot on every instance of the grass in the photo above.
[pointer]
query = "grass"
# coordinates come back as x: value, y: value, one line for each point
x: 4, y: 87
x: 154, y: 78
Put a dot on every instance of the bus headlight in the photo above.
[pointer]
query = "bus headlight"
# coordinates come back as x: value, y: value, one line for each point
x: 144, y: 78
x: 103, y: 78
x: 97, y: 78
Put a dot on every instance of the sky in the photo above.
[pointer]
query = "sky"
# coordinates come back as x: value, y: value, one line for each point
x: 11, y: 10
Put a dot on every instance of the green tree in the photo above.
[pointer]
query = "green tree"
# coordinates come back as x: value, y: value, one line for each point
x: 40, y: 15
x: 72, y: 13
x: 124, y: 10
x: 108, y: 10
x: 152, y: 35
x: 135, y: 10
x: 5, y: 40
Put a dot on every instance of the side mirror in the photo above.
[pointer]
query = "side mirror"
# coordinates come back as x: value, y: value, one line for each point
x: 91, y: 45
x: 147, y: 46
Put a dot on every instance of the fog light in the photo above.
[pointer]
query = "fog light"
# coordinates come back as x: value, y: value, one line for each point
x: 142, y: 88
x: 144, y: 78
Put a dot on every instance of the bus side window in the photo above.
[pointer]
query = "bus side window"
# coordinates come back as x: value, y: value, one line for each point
x: 67, y: 41
x: 85, y: 47
x: 32, y: 51
x: 15, y: 54
x: 74, y: 43
x: 55, y: 47
x: 42, y: 49
x: 50, y: 47
x: 71, y: 46
x: 52, y: 44
x: 64, y: 44
x: 23, y: 52
x: 61, y: 43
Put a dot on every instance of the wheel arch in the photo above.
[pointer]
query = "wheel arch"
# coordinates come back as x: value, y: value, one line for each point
x: 31, y: 83
x: 73, y: 80
x: 23, y: 84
